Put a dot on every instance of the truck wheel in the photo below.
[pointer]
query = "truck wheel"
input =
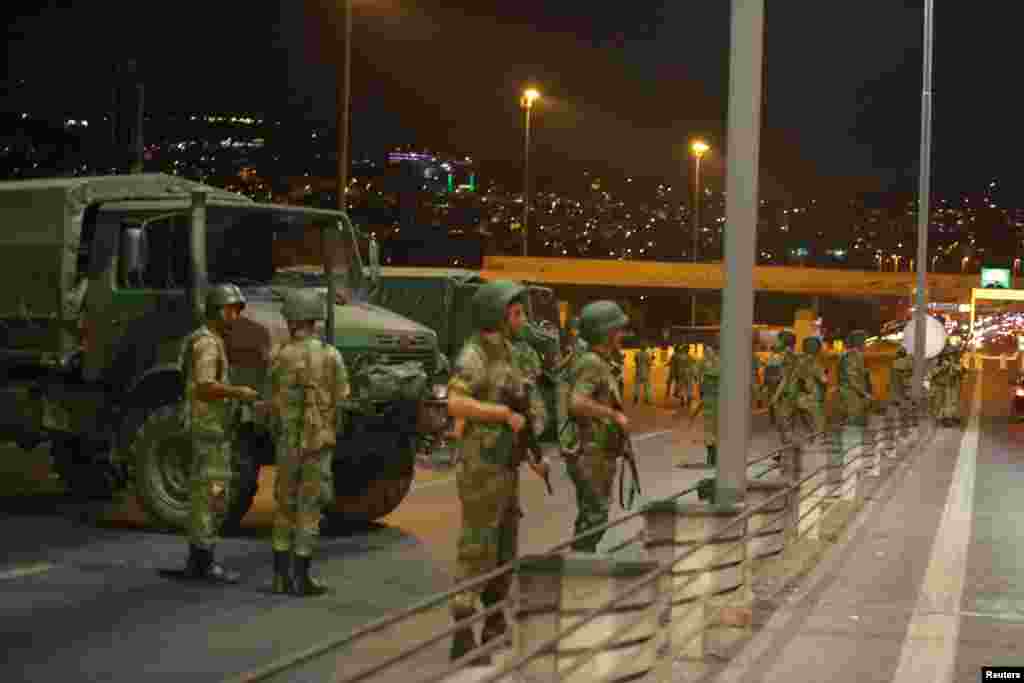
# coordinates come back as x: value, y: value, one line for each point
x: 163, y: 467
x: 380, y: 496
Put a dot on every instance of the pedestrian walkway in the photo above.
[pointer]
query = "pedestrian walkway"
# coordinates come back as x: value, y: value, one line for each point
x: 928, y: 584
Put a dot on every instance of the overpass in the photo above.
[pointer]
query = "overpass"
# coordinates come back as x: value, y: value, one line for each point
x: 947, y: 287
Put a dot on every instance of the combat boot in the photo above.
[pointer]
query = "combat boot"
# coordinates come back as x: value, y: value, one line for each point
x: 201, y: 566
x: 712, y: 456
x: 283, y: 582
x: 464, y: 641
x: 304, y: 583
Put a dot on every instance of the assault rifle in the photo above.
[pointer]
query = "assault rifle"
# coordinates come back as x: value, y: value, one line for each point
x: 520, y: 403
x: 629, y: 455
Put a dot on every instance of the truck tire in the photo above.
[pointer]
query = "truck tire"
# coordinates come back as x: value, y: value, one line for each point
x: 163, y: 465
x: 379, y: 496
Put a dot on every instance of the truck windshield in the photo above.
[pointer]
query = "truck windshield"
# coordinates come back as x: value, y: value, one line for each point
x: 269, y: 248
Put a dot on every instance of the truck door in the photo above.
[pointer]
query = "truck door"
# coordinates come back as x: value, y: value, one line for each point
x: 142, y: 290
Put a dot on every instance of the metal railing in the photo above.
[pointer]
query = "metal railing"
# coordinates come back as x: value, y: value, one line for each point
x: 789, y: 461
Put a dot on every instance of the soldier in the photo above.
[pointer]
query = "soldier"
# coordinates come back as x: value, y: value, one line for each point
x: 813, y: 383
x: 486, y: 477
x: 592, y: 440
x: 899, y: 379
x: 307, y: 381
x: 207, y: 413
x: 787, y: 391
x: 531, y: 366
x: 709, y: 371
x: 772, y: 377
x: 854, y: 381
x: 642, y: 376
x: 944, y: 379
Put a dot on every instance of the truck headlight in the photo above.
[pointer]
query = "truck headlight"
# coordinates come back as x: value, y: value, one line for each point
x: 440, y: 391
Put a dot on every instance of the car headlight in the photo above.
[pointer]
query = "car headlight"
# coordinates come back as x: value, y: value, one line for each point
x: 1020, y: 392
x: 440, y: 391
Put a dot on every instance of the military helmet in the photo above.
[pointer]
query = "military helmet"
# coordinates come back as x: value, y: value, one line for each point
x: 786, y: 340
x: 303, y: 305
x: 490, y: 301
x: 599, y: 318
x: 219, y: 296
x: 811, y: 345
x: 856, y: 338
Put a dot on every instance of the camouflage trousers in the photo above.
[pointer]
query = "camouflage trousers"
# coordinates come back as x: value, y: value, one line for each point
x: 805, y: 406
x: 210, y: 490
x: 947, y: 401
x: 489, y: 494
x: 854, y: 407
x: 710, y: 421
x: 592, y: 472
x: 642, y: 387
x: 300, y: 492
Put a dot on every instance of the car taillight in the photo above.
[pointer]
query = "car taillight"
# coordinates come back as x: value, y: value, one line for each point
x: 1020, y: 392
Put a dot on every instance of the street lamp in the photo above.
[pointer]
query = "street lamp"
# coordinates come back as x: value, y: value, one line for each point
x: 699, y: 149
x: 530, y: 95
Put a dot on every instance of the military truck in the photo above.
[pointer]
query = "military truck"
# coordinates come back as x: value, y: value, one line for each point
x: 440, y: 299
x: 104, y: 277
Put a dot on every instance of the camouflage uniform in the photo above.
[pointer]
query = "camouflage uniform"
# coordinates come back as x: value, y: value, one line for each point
x: 530, y: 364
x: 944, y: 380
x: 642, y: 378
x: 854, y: 382
x: 812, y: 383
x: 682, y: 373
x: 592, y: 446
x: 772, y: 377
x: 303, y: 370
x: 900, y: 377
x: 787, y: 391
x: 204, y: 359
x: 211, y: 425
x: 487, y: 477
x: 709, y: 377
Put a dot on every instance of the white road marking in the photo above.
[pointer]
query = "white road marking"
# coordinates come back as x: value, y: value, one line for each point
x: 30, y: 570
x: 929, y: 649
x: 451, y: 478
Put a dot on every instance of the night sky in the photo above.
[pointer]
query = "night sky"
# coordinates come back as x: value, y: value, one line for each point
x: 626, y: 84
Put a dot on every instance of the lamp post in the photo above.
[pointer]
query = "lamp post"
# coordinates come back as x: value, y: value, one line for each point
x: 529, y: 97
x: 344, y: 88
x: 699, y: 149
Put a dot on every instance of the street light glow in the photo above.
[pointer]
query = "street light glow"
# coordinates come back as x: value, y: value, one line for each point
x: 699, y: 147
x: 529, y: 96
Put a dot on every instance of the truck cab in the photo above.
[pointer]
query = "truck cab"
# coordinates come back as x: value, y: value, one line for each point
x: 105, y: 279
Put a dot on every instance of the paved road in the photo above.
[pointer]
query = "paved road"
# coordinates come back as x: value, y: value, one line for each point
x: 930, y: 584
x: 83, y: 601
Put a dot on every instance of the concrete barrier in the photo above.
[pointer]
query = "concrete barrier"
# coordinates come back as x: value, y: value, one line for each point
x: 709, y: 581
x: 553, y: 594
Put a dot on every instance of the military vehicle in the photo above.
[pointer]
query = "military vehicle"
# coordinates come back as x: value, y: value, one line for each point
x: 104, y: 277
x: 439, y: 298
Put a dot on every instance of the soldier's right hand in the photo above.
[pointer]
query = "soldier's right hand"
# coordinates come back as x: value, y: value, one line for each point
x: 247, y: 394
x: 621, y: 420
x: 515, y: 421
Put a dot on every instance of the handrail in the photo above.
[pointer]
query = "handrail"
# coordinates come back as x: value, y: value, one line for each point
x: 589, y: 615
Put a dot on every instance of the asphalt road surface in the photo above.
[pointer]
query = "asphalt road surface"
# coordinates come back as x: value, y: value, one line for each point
x: 82, y: 600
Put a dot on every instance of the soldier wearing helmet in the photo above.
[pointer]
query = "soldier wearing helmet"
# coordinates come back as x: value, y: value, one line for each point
x: 813, y: 383
x: 944, y: 387
x: 591, y: 439
x: 207, y: 415
x: 709, y: 371
x: 785, y: 398
x: 487, y: 475
x: 854, y: 381
x: 900, y: 377
x: 307, y: 382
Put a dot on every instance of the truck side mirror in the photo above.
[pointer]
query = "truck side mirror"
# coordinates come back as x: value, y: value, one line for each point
x: 132, y: 255
x: 374, y: 261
